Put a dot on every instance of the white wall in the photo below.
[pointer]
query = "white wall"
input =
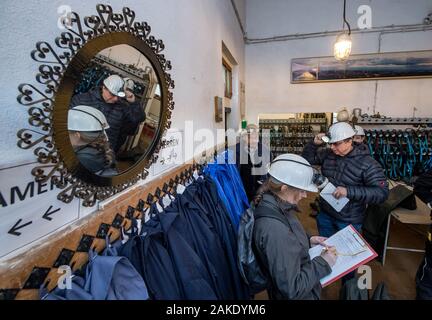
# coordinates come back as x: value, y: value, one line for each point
x: 192, y: 31
x: 268, y: 67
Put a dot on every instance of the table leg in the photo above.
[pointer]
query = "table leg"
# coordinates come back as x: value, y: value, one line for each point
x: 386, y: 239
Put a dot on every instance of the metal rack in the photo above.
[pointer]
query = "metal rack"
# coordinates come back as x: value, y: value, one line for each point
x: 389, y: 120
x: 291, y: 135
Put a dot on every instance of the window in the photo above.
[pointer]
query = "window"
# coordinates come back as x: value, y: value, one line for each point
x: 227, y: 75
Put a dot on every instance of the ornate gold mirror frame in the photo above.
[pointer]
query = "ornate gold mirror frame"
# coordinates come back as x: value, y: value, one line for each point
x: 48, y: 106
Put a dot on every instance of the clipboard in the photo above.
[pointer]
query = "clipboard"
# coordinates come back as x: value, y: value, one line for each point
x: 353, y: 252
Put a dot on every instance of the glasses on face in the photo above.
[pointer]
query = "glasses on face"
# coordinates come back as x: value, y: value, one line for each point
x: 336, y: 144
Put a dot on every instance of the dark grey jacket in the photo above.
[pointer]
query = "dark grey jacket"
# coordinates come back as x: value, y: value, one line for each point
x: 362, y: 175
x: 283, y: 253
x: 121, y: 116
x: 423, y: 187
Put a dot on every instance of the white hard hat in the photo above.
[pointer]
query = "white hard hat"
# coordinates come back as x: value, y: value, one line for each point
x: 128, y: 84
x: 293, y: 170
x: 359, y: 131
x: 85, y: 118
x: 338, y: 132
x: 114, y: 84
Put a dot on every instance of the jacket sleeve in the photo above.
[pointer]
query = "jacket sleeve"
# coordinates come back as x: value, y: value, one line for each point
x: 423, y: 187
x: 135, y: 113
x: 314, y: 154
x: 282, y: 252
x: 375, y: 189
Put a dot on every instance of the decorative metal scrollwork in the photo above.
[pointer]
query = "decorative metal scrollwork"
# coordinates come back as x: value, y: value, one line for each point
x: 41, y: 101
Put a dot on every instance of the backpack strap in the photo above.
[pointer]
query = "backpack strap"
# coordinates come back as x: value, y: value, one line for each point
x: 271, y: 214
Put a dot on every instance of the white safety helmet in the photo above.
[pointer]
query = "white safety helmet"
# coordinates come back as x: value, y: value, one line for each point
x: 338, y: 132
x: 293, y: 170
x: 114, y: 84
x: 85, y: 118
x: 359, y: 131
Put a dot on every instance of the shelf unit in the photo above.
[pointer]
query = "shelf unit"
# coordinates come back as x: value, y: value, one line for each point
x: 291, y: 135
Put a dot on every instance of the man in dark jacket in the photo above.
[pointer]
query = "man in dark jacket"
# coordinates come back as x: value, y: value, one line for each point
x: 107, y: 100
x: 252, y: 158
x: 280, y: 242
x: 354, y: 173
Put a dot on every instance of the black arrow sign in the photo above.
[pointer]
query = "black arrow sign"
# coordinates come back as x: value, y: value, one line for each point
x: 49, y: 212
x: 14, y: 229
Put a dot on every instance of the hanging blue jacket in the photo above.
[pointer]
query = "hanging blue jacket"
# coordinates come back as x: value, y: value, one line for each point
x: 206, y: 241
x: 193, y: 276
x: 229, y: 186
x: 108, y: 277
x: 149, y: 255
x: 206, y: 195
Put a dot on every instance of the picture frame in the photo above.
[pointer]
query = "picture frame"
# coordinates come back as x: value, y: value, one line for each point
x: 218, y: 101
x: 377, y: 66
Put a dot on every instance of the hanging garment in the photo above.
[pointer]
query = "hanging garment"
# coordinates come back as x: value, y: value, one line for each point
x: 229, y: 186
x: 192, y: 275
x: 207, y: 195
x: 424, y: 273
x: 148, y: 253
x: 206, y: 241
x: 108, y: 277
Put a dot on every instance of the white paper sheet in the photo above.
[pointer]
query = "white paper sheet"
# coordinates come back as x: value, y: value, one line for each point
x: 352, y: 251
x: 327, y: 195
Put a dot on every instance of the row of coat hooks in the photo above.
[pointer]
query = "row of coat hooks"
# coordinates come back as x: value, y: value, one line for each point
x: 169, y: 188
x: 38, y: 276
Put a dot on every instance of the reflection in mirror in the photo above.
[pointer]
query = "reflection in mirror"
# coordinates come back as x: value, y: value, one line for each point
x: 115, y: 110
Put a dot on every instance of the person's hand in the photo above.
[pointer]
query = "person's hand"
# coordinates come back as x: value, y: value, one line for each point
x: 340, y: 192
x: 329, y: 254
x: 130, y: 97
x: 316, y: 240
x: 317, y: 140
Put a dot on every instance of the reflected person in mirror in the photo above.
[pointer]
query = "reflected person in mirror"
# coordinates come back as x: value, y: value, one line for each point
x: 107, y: 99
x: 87, y: 127
x: 135, y: 112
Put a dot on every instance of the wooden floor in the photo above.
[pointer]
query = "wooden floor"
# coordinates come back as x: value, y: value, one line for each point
x: 400, y: 267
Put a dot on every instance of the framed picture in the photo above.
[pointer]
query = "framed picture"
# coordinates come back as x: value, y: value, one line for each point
x: 218, y: 109
x: 394, y: 65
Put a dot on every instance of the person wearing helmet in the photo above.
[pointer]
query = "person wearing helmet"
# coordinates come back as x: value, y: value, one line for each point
x: 359, y: 136
x: 108, y: 99
x: 130, y: 126
x: 252, y: 158
x: 87, y: 127
x: 354, y: 173
x: 280, y: 242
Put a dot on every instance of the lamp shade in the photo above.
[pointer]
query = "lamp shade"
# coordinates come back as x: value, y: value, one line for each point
x: 342, y: 47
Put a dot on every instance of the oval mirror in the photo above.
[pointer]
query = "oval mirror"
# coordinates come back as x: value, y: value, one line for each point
x: 105, y: 106
x: 115, y: 111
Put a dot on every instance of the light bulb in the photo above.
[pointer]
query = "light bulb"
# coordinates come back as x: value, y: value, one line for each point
x: 342, y: 47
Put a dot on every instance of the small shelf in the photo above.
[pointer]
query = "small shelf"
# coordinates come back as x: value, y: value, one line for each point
x: 294, y: 121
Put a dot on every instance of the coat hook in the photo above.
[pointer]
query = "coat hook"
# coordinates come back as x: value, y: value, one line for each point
x: 150, y: 199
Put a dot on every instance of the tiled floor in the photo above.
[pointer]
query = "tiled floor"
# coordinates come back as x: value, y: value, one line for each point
x: 400, y: 268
